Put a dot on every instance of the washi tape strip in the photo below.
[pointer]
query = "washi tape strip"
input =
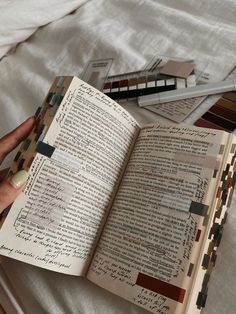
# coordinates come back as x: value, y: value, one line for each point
x: 58, y: 155
x: 164, y: 288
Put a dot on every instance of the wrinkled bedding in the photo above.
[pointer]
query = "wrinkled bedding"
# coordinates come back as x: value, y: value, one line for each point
x: 39, y: 40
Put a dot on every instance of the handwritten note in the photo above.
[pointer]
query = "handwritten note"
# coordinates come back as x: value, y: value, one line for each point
x: 119, y: 276
x: 177, y: 111
x: 47, y: 208
x: 152, y: 301
x: 180, y: 131
x: 114, y: 271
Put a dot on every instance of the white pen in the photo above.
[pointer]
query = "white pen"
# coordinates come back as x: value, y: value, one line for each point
x: 189, y: 92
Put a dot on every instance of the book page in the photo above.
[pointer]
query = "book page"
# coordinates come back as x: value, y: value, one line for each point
x: 150, y: 244
x: 56, y: 221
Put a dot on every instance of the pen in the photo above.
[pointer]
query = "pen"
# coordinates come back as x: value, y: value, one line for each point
x: 189, y: 92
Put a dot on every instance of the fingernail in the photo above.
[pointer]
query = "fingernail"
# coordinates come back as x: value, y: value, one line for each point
x: 19, y: 179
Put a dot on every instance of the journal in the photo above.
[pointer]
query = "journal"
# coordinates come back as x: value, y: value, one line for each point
x: 139, y: 211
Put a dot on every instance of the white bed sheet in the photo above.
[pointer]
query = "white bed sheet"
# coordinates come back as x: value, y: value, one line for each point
x: 131, y: 32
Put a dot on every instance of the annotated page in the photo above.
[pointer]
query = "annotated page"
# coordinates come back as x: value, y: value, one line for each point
x: 149, y: 248
x: 80, y: 156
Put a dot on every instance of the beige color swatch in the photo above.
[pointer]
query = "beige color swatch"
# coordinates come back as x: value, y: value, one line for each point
x: 177, y: 68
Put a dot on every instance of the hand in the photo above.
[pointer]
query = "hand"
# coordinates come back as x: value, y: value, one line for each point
x: 9, y: 189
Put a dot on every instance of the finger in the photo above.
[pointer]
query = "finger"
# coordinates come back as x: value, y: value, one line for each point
x: 3, y: 174
x: 1, y: 222
x: 10, y: 189
x: 1, y: 308
x: 13, y: 139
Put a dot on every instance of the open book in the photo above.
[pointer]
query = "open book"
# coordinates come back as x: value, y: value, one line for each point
x: 138, y: 211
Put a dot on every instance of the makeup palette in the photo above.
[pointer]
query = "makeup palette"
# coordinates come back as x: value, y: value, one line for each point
x: 135, y: 84
x: 222, y: 115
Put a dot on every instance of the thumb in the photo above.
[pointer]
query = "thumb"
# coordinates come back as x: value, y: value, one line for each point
x: 10, y: 189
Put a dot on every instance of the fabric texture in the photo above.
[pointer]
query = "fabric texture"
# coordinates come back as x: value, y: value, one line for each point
x: 131, y: 32
x: 20, y: 19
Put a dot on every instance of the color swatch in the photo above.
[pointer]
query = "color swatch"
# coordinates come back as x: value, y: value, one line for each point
x: 164, y: 288
x: 96, y: 72
x: 224, y: 197
x: 44, y: 116
x: 222, y: 115
x: 135, y: 84
x: 177, y: 69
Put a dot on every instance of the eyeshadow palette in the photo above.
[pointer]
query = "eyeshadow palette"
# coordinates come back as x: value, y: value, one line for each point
x: 135, y: 84
x: 222, y: 115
